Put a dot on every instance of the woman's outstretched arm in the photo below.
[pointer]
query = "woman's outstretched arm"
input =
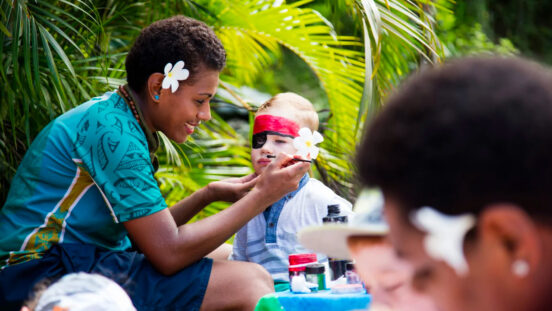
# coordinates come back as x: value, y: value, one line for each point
x: 228, y: 190
x: 170, y: 247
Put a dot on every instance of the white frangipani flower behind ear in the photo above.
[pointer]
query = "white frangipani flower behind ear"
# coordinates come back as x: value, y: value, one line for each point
x: 444, y: 239
x: 306, y: 142
x: 174, y: 74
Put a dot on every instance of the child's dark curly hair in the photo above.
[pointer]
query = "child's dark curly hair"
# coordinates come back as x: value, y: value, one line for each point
x: 170, y: 40
x: 468, y: 134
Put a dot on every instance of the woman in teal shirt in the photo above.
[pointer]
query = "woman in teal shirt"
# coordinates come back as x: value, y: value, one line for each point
x: 86, y: 187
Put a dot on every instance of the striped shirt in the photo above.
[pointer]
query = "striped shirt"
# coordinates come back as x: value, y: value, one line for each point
x: 270, y: 237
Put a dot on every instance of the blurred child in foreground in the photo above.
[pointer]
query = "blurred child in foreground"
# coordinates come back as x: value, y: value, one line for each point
x: 79, y: 291
x: 386, y: 277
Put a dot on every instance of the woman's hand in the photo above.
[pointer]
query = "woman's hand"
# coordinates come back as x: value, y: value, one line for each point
x: 231, y: 189
x: 280, y: 177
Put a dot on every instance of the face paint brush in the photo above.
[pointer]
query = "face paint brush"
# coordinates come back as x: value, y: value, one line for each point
x: 270, y: 156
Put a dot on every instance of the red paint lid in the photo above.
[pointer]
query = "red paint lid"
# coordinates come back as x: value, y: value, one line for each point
x: 297, y: 259
x: 300, y: 268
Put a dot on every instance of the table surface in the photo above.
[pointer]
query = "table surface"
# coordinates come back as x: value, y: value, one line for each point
x: 322, y: 300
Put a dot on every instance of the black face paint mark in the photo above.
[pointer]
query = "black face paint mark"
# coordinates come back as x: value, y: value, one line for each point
x: 259, y: 140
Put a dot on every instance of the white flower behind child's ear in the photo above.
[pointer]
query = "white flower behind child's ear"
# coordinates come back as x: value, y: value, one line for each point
x: 306, y: 142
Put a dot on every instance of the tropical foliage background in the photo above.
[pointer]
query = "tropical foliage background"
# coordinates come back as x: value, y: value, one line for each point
x: 343, y: 55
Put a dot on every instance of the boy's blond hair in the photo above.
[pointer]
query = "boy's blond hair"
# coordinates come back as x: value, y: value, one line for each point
x: 292, y: 106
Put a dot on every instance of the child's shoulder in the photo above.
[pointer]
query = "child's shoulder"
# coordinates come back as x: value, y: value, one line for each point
x: 316, y: 189
x: 316, y: 185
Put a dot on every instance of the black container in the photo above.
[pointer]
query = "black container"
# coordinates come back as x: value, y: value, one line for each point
x: 350, y: 266
x: 334, y: 215
x: 337, y: 267
x: 315, y: 274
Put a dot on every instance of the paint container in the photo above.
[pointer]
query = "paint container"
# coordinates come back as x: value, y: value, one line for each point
x: 337, y: 266
x: 294, y: 271
x: 315, y: 274
x: 298, y: 263
x: 351, y: 275
x: 334, y: 215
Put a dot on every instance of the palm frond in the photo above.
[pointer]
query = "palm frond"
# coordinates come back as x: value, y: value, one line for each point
x: 405, y: 38
x: 57, y: 54
x: 45, y: 39
x: 253, y: 34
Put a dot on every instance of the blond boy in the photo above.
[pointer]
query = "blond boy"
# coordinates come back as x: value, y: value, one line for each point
x: 270, y: 237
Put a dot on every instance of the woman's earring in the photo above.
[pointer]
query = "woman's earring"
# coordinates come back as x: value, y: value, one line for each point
x: 520, y: 268
x: 156, y: 97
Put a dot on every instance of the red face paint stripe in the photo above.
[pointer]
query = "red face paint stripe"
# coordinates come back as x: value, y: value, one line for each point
x: 266, y: 122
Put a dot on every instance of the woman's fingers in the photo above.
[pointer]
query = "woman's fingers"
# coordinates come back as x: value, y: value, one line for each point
x: 296, y: 170
x: 282, y: 160
x: 248, y: 184
x: 247, y: 178
x: 282, y: 176
x: 290, y: 166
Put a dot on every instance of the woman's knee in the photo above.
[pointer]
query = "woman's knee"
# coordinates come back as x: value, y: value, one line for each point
x: 236, y: 286
x: 254, y: 278
x: 262, y: 277
x: 257, y: 282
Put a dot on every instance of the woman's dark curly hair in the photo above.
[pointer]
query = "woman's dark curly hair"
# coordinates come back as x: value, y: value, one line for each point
x: 170, y: 40
x: 468, y: 134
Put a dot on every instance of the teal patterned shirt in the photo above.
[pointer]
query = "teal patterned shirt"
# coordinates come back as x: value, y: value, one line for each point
x: 87, y: 172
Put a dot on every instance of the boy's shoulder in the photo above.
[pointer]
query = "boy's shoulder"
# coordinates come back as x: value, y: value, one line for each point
x: 316, y: 190
x: 314, y: 185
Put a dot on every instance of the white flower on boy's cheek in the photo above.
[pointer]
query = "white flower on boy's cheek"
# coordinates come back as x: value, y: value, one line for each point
x: 174, y: 74
x: 306, y: 142
x: 444, y: 239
